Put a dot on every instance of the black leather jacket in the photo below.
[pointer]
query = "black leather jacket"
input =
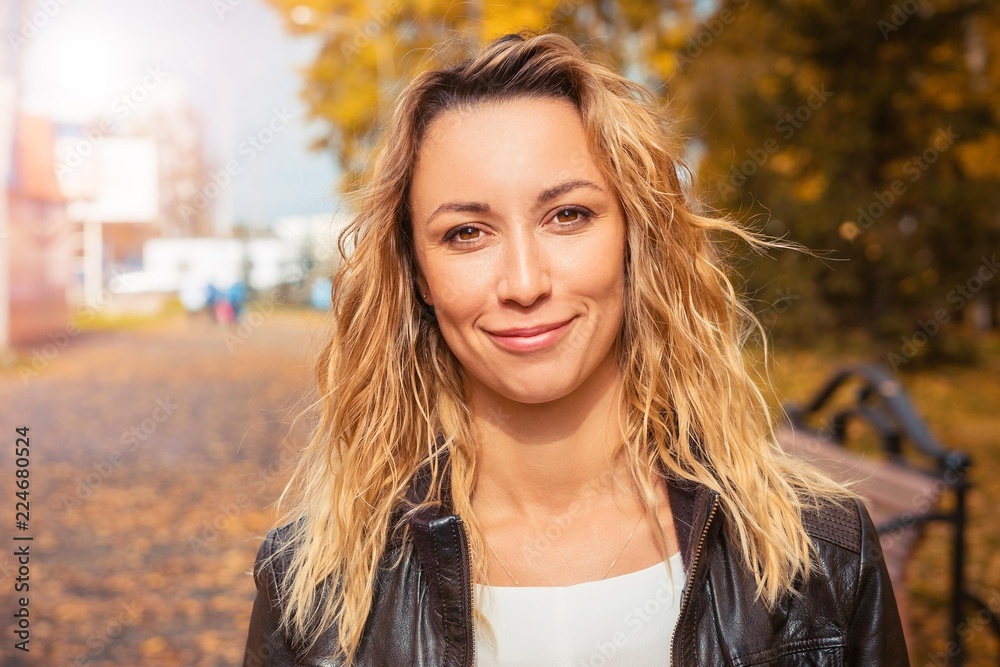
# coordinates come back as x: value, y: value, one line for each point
x: 422, y: 610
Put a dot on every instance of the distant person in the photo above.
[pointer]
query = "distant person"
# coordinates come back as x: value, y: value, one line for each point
x: 222, y: 307
x: 211, y: 297
x: 536, y: 416
x: 237, y: 298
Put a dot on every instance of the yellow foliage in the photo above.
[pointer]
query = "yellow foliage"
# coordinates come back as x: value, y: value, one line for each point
x: 849, y: 230
x: 810, y: 188
x: 784, y: 163
x: 500, y: 19
x: 768, y: 86
x: 665, y: 63
x: 981, y: 158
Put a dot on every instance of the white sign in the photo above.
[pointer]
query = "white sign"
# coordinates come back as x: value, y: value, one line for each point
x: 127, y: 181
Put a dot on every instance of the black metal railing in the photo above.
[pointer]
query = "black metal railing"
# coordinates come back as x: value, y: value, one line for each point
x: 882, y: 404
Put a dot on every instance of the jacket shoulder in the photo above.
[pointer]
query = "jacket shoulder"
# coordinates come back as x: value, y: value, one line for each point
x: 269, y: 568
x: 267, y: 644
x: 839, y: 521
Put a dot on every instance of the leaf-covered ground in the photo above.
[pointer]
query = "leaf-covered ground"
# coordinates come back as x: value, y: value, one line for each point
x: 156, y: 453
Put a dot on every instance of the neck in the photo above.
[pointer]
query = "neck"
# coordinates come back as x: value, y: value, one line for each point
x: 537, y: 460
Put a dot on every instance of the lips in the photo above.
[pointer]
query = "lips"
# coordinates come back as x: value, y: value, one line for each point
x: 529, y: 339
x: 524, y: 332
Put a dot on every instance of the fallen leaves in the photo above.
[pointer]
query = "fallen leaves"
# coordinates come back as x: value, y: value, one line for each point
x: 145, y: 547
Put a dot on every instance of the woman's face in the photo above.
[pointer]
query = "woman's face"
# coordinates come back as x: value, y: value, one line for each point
x: 515, y: 228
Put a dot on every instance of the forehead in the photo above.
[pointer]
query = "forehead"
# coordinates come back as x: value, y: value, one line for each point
x: 516, y: 145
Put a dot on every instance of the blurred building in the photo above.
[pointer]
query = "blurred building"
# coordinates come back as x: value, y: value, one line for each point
x: 297, y: 250
x: 130, y: 182
x: 172, y: 264
x: 9, y: 75
x: 112, y: 184
x: 175, y: 129
x: 38, y: 239
x: 315, y: 239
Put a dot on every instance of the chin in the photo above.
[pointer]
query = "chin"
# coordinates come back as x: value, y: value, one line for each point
x: 532, y: 392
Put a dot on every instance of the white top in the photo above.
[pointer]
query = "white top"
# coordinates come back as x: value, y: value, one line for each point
x: 623, y: 620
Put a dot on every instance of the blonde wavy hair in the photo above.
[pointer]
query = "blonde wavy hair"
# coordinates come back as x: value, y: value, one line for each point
x: 389, y: 384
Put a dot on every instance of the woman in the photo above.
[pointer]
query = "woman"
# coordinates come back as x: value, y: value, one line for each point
x: 539, y: 443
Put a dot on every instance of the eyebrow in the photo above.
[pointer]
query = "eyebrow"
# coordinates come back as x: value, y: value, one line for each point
x: 544, y: 196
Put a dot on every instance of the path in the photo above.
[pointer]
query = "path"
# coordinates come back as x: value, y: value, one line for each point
x: 155, y: 454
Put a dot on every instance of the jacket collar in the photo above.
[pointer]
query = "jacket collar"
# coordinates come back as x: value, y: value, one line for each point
x: 691, y: 507
x: 441, y: 545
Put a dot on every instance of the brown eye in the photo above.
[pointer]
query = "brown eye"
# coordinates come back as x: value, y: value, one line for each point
x: 463, y: 234
x: 571, y: 215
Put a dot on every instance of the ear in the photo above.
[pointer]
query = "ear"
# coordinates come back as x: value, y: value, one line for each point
x: 422, y: 285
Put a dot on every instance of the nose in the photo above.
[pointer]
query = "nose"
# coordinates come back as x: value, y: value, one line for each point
x: 524, y: 271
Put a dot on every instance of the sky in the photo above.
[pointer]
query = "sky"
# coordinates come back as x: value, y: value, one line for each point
x: 231, y: 59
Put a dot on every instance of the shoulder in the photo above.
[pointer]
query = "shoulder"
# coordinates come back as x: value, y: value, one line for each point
x: 841, y: 521
x: 855, y: 573
x: 274, y: 554
x: 267, y: 640
x: 848, y: 547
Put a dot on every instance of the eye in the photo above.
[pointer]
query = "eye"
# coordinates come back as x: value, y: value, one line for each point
x: 464, y: 234
x: 572, y: 214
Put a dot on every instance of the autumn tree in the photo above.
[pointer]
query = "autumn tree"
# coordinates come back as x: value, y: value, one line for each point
x: 867, y: 129
x: 369, y: 49
x: 863, y: 129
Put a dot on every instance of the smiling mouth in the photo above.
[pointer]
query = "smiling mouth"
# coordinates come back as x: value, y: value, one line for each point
x: 527, y: 339
x: 525, y: 332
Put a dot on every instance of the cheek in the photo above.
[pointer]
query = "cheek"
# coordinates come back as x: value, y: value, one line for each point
x: 593, y: 273
x: 595, y: 268
x: 460, y: 290
x: 608, y: 289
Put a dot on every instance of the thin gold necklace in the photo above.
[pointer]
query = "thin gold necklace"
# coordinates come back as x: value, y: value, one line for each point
x: 620, y: 552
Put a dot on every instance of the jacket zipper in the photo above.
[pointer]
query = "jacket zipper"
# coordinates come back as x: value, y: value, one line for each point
x: 691, y: 577
x: 468, y: 551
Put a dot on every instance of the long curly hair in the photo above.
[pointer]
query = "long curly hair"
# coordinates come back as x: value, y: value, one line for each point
x: 389, y: 385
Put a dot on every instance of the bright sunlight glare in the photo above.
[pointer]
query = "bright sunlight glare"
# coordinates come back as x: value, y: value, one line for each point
x: 76, y: 70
